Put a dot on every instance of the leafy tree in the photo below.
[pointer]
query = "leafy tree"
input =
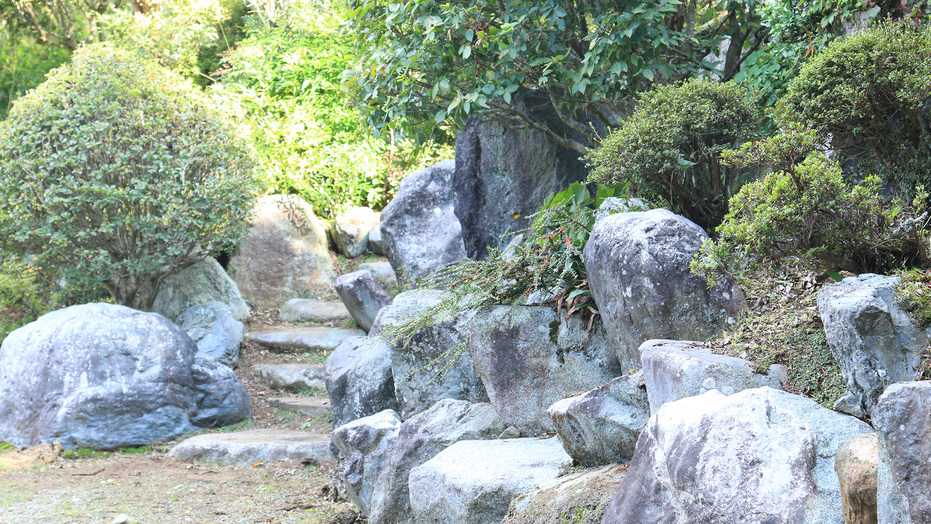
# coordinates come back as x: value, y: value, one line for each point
x: 669, y: 149
x: 426, y: 60
x: 117, y: 174
x: 62, y: 23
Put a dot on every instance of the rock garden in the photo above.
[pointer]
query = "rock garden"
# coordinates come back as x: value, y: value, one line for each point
x: 707, y: 301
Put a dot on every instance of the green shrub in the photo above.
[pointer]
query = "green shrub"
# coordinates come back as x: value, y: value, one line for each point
x: 117, y: 173
x: 809, y: 210
x: 870, y: 93
x: 23, y: 66
x: 23, y: 298
x: 669, y: 149
x: 284, y: 88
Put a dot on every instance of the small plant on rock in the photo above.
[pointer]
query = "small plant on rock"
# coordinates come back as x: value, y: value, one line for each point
x: 117, y: 174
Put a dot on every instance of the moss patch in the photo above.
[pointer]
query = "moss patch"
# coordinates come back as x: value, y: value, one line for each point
x: 913, y: 294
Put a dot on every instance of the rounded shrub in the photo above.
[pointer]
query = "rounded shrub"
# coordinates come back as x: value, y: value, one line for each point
x: 871, y: 94
x: 116, y: 173
x: 669, y: 149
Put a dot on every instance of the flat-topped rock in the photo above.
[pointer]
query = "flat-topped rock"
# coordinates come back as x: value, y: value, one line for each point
x: 309, y: 310
x: 310, y: 406
x: 292, y: 377
x: 474, y: 480
x: 302, y: 338
x: 244, y: 448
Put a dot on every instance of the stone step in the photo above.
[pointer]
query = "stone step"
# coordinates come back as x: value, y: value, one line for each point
x: 307, y: 310
x: 302, y: 338
x: 245, y: 448
x: 310, y: 406
x: 292, y: 377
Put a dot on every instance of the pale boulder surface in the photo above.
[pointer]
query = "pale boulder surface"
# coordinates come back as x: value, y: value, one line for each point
x: 528, y: 358
x: 902, y: 418
x: 359, y: 380
x: 873, y: 341
x: 203, y: 282
x: 676, y: 369
x: 364, y: 446
x: 856, y: 465
x: 474, y: 481
x: 246, y: 448
x: 351, y: 230
x: 601, y: 426
x: 415, y: 364
x: 419, y: 228
x: 96, y: 375
x: 638, y: 272
x: 310, y: 310
x: 215, y: 330
x: 284, y: 255
x: 760, y: 455
x: 421, y: 438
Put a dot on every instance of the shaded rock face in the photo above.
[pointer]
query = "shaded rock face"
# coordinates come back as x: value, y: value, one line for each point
x: 638, y: 272
x: 760, y: 455
x: 419, y: 228
x: 579, y: 498
x: 214, y: 329
x: 363, y: 296
x: 902, y: 418
x: 359, y: 380
x: 364, y: 446
x: 284, y: 255
x: 676, y: 369
x: 421, y: 438
x: 376, y: 242
x: 474, y: 481
x: 220, y: 397
x: 601, y: 426
x: 351, y: 229
x: 382, y: 272
x: 415, y: 364
x: 203, y: 282
x: 503, y: 175
x: 873, y: 341
x: 528, y: 358
x: 97, y: 375
x: 855, y: 464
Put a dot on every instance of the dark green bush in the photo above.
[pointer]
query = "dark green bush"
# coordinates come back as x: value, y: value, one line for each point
x: 669, y: 149
x: 870, y: 93
x: 808, y: 210
x: 117, y: 173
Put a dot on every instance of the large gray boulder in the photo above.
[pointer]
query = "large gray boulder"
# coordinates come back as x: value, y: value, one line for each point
x: 215, y: 330
x: 203, y: 282
x: 421, y: 438
x: 359, y: 380
x: 504, y: 174
x: 363, y: 296
x: 351, y: 229
x: 638, y: 272
x: 579, y: 498
x: 873, y: 341
x: 284, y: 255
x: 529, y: 357
x: 760, y: 455
x: 423, y: 367
x: 419, y: 228
x: 601, y: 426
x: 903, y: 423
x: 96, y: 375
x: 676, y: 369
x: 364, y: 446
x: 474, y: 481
x: 220, y: 397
